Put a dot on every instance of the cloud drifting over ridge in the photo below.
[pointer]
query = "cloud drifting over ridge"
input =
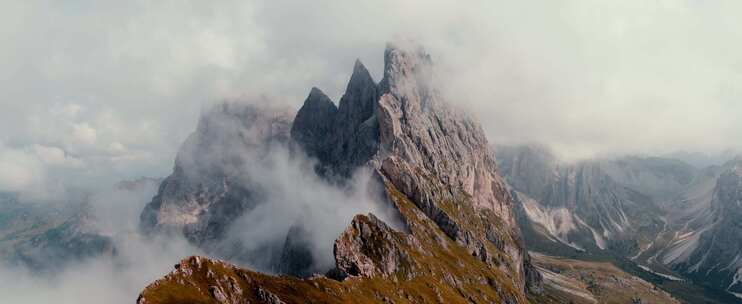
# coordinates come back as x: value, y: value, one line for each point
x: 93, y: 93
x: 119, y: 86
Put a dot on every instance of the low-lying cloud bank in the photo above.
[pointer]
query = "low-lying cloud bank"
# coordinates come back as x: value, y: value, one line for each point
x: 120, y: 85
x: 107, y: 277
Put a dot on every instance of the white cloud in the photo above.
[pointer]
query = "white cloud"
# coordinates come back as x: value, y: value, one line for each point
x: 55, y: 156
x: 570, y: 74
x: 584, y: 78
x: 83, y: 133
x: 116, y: 148
x: 19, y: 170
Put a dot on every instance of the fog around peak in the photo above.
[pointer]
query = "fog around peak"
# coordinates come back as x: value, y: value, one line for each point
x: 115, y: 89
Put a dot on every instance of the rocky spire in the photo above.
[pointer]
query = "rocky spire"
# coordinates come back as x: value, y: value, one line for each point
x: 360, y: 79
x: 313, y: 125
x: 357, y: 104
x: 356, y: 131
x: 407, y: 70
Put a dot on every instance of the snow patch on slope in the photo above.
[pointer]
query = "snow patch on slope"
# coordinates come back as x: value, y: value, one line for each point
x: 682, y: 247
x: 599, y: 240
x: 559, y: 222
x: 736, y: 279
x: 666, y: 276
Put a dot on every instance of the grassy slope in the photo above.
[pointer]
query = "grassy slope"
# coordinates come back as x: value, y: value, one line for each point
x: 603, y: 281
x: 444, y: 273
x: 687, y: 292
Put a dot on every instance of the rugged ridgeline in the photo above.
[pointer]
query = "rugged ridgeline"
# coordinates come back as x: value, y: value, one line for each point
x: 703, y: 239
x: 588, y: 205
x: 460, y: 242
x: 664, y: 215
x: 719, y: 249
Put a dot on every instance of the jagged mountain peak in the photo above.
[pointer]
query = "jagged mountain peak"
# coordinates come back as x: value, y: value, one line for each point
x: 317, y: 97
x: 438, y: 175
x: 398, y: 52
x: 357, y: 104
x: 360, y: 77
x: 406, y: 66
x: 313, y: 124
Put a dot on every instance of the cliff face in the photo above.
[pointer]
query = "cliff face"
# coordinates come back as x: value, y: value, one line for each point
x: 208, y: 188
x: 459, y: 243
x: 589, y: 205
x: 712, y: 251
x: 662, y: 214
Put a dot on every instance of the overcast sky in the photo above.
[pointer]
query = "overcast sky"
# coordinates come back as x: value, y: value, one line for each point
x: 94, y: 91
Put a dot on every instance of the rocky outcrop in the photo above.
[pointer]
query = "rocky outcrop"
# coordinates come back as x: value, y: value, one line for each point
x: 370, y: 248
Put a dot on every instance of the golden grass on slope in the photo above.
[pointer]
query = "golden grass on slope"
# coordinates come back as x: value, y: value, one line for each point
x: 443, y: 272
x: 569, y: 280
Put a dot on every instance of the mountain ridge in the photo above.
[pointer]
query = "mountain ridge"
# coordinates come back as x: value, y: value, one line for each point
x: 684, y: 246
x: 459, y: 241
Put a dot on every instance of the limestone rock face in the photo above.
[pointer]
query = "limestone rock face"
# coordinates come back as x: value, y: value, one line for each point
x: 585, y: 205
x: 207, y: 189
x: 440, y: 157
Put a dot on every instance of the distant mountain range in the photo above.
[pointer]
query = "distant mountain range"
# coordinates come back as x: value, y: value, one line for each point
x: 46, y: 237
x: 667, y: 216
